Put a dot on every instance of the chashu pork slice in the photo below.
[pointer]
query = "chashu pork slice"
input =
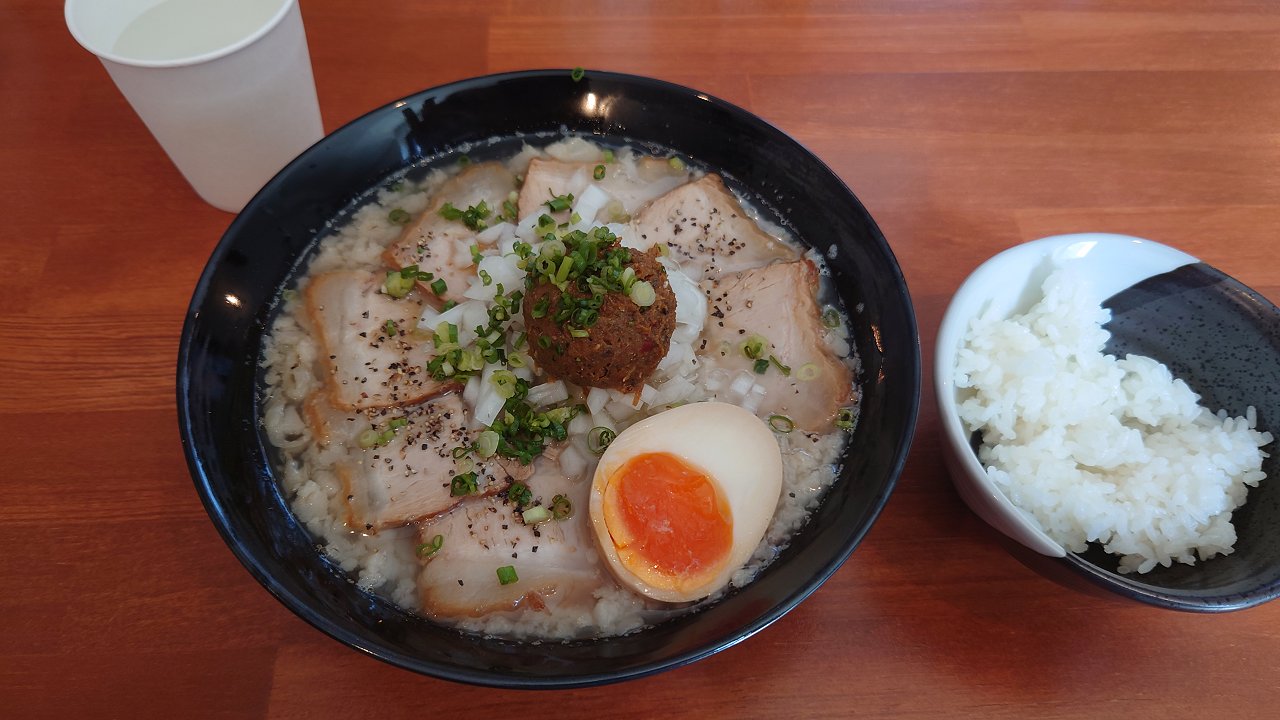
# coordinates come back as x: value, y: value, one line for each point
x: 368, y: 362
x: 409, y: 477
x: 777, y: 302
x: 632, y: 183
x: 707, y: 230
x: 556, y: 562
x: 442, y: 247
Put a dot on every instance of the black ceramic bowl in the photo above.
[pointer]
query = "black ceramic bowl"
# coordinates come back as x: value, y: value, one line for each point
x: 217, y: 364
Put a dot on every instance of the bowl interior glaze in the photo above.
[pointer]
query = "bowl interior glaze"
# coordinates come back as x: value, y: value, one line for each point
x: 231, y: 306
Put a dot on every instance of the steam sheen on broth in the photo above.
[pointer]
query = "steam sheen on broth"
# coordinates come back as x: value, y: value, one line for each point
x: 457, y: 356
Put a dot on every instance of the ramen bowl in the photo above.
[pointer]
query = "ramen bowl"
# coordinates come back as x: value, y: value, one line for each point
x: 218, y: 377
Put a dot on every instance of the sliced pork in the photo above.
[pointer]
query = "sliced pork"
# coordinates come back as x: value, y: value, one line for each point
x: 555, y: 561
x: 408, y: 477
x: 778, y: 303
x: 371, y: 355
x: 441, y: 246
x: 707, y: 230
x: 631, y: 183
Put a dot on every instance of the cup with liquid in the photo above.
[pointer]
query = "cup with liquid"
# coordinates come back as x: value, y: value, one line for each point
x: 225, y: 86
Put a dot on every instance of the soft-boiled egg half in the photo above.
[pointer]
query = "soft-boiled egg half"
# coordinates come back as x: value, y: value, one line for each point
x: 681, y: 499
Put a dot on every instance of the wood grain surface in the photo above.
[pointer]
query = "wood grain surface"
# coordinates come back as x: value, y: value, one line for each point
x: 964, y: 126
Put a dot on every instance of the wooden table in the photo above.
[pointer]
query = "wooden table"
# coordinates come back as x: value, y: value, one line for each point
x: 964, y: 126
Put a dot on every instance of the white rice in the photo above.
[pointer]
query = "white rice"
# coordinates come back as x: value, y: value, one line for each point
x: 1098, y: 448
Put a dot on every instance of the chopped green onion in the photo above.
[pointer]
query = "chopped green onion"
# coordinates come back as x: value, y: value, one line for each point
x: 599, y: 438
x: 753, y: 346
x: 760, y: 366
x: 507, y: 575
x: 575, y: 332
x: 544, y: 342
x: 558, y: 203
x: 485, y: 278
x: 617, y: 211
x: 519, y: 493
x: 516, y: 360
x: 391, y: 328
x: 368, y: 438
x: 473, y: 217
x: 398, y: 216
x: 449, y: 212
x: 676, y: 163
x: 504, y: 383
x: 608, y: 156
x: 439, y: 286
x: 487, y: 443
x: 431, y: 547
x: 577, y: 74
x: 510, y: 211
x: 464, y: 484
x: 831, y: 317
x: 846, y: 418
x: 807, y: 372
x: 476, y: 256
x: 598, y: 173
x: 397, y: 423
x: 781, y: 423
x: 642, y: 293
x: 561, y: 507
x: 461, y: 451
x: 784, y: 369
x: 397, y: 285
x: 535, y: 515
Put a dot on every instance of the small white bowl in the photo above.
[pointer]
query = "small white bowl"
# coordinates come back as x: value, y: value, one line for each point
x: 1010, y: 283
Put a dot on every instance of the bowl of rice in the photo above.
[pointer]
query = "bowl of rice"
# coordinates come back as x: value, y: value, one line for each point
x: 1110, y: 404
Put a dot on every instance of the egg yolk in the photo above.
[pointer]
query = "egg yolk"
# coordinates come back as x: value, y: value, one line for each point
x: 669, y: 522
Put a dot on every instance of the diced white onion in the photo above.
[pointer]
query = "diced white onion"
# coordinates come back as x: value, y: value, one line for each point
x: 526, y: 229
x: 471, y: 392
x: 647, y: 394
x: 547, y: 394
x: 492, y: 234
x: 503, y: 270
x: 488, y: 403
x: 602, y: 419
x: 751, y: 402
x: 588, y: 205
x: 742, y: 384
x: 467, y: 316
x: 673, y: 390
x: 620, y: 410
x: 596, y: 399
x: 580, y: 424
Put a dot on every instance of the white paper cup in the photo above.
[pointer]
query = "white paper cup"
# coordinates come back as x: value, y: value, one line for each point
x: 230, y: 108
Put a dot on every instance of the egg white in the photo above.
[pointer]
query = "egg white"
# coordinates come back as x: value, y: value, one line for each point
x: 733, y: 447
